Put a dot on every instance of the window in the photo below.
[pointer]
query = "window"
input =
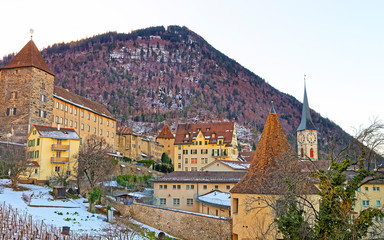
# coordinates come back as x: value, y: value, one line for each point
x: 204, y: 160
x: 193, y: 160
x: 75, y: 124
x: 36, y: 171
x: 12, y: 95
x: 186, y: 169
x: 113, y: 124
x: 57, y: 105
x: 377, y: 203
x: 94, y: 130
x: 217, y: 212
x: 366, y: 189
x: 57, y: 119
x: 189, y: 201
x: 160, y: 186
x: 65, y: 122
x: 194, y: 151
x: 200, y: 142
x: 179, y: 165
x: 365, y: 203
x: 89, y: 116
x: 101, y: 121
x: 107, y: 123
x: 193, y: 168
x: 89, y: 128
x: 61, y: 120
x: 179, y: 156
x: 37, y: 154
x: 75, y: 111
x: 206, y: 143
x: 57, y: 169
x: 311, y: 153
x: 235, y: 205
x: 163, y: 201
x: 71, y: 123
x: 302, y: 152
x: 113, y: 134
x: 176, y: 201
x: 82, y: 126
x: 376, y: 189
x: 173, y: 186
x: 204, y: 186
x: 216, y: 187
x: 165, y: 186
x: 43, y: 98
x: 94, y: 118
x: 228, y: 187
x: 101, y: 131
x: 178, y: 186
x: 107, y: 133
x: 192, y: 186
x: 70, y: 110
x: 187, y: 187
x: 38, y: 142
x: 42, y: 113
x: 220, y: 142
x: 82, y: 114
x: 61, y: 107
x: 379, y: 219
x: 358, y: 189
x: 68, y: 173
x: 11, y: 111
x: 186, y: 160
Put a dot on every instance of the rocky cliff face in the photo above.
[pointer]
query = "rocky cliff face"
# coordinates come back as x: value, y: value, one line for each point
x: 157, y: 74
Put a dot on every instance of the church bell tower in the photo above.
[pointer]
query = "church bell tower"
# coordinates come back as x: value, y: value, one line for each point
x: 307, y: 134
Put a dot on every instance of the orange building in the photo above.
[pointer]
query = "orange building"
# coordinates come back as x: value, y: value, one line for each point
x: 167, y: 139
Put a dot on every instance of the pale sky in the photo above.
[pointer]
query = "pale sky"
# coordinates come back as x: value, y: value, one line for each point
x: 339, y: 45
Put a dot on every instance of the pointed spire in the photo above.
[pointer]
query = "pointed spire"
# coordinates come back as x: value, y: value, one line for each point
x: 272, y: 110
x: 270, y: 152
x: 29, y: 56
x: 306, y: 120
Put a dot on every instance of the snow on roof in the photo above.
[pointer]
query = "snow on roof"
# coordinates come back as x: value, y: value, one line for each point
x: 197, y: 176
x: 53, y: 132
x: 237, y: 164
x: 216, y: 198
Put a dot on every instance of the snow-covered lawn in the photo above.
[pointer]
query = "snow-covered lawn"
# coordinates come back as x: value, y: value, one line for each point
x: 72, y: 213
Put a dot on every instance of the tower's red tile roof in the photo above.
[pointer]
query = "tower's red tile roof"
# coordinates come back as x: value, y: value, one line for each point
x: 29, y: 56
x: 185, y: 133
x: 81, y: 102
x: 166, y: 133
x: 272, y: 162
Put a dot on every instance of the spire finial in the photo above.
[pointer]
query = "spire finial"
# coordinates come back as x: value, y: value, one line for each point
x: 31, y: 31
x: 272, y: 108
x: 305, y: 80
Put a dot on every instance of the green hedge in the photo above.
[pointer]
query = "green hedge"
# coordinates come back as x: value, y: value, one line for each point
x: 129, y: 181
x: 147, y: 163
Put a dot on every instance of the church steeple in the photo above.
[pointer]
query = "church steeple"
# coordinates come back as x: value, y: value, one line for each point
x: 306, y: 120
x: 306, y: 133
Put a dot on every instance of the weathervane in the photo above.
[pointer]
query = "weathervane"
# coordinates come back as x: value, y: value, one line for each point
x: 31, y: 31
x: 305, y: 78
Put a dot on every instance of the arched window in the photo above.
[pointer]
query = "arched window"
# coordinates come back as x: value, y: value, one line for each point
x: 302, y: 152
x: 311, y: 153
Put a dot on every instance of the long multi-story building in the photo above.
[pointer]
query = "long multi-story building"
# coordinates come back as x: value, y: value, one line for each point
x: 29, y: 97
x: 197, y: 145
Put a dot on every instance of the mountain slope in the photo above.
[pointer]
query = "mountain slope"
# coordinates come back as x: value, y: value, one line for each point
x: 158, y: 74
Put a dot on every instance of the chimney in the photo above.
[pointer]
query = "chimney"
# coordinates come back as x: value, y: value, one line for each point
x: 58, y: 126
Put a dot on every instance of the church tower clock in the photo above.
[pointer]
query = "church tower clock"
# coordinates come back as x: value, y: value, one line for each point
x: 307, y: 134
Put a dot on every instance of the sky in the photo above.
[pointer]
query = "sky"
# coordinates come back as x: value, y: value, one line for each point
x: 337, y: 44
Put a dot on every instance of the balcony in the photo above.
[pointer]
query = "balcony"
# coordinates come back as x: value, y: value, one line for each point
x: 59, y: 160
x: 60, y: 147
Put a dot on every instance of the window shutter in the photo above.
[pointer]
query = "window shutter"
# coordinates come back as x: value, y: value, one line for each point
x: 14, y: 111
x: 7, y: 111
x: 15, y: 94
x: 45, y: 114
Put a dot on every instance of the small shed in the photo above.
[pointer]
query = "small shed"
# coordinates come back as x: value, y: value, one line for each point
x: 59, y: 192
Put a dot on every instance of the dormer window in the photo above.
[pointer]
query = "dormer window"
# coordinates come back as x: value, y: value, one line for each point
x: 213, y: 135
x: 198, y: 129
x: 208, y: 129
x: 187, y: 135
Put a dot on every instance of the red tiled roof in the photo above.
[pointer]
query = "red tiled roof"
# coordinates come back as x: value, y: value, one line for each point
x: 272, y: 162
x: 29, y: 56
x: 126, y: 131
x: 165, y: 133
x: 221, y: 130
x: 81, y: 102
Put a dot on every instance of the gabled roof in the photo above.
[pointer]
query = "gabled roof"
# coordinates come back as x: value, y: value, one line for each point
x: 55, y: 133
x: 166, y: 133
x: 126, y: 131
x: 235, y: 165
x: 201, y: 177
x: 186, y: 133
x: 216, y: 198
x: 82, y: 102
x: 29, y: 56
x: 306, y: 120
x: 273, y: 161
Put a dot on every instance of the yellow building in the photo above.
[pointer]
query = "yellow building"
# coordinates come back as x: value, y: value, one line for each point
x: 253, y: 198
x: 136, y: 146
x: 166, y: 138
x: 85, y: 116
x: 225, y: 165
x: 197, y: 145
x: 182, y: 190
x: 371, y: 194
x: 51, y: 153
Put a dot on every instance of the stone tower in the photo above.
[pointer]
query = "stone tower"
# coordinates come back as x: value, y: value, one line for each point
x: 26, y: 97
x: 167, y: 139
x: 307, y: 134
